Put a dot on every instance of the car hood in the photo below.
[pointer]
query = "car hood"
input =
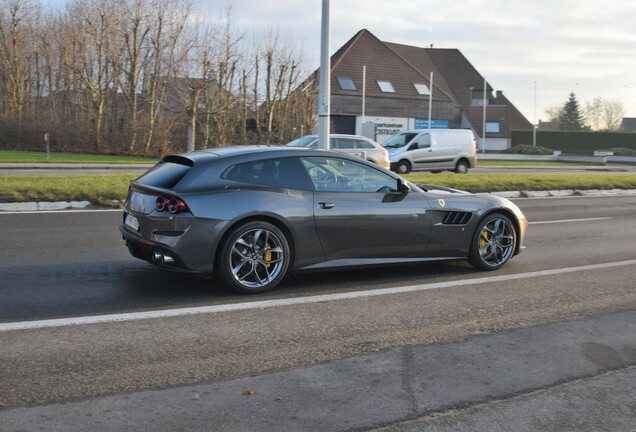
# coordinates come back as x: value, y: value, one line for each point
x: 446, y: 198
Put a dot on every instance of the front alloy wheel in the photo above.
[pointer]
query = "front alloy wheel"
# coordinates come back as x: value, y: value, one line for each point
x: 494, y: 242
x: 255, y: 258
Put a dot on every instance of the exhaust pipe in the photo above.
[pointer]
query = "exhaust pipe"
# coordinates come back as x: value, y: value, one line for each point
x: 159, y: 257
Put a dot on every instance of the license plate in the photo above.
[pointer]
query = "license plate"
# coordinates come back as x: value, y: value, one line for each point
x: 132, y: 222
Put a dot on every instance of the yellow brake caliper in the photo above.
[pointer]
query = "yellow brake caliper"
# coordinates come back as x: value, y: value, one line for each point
x: 268, y: 255
x: 483, y: 238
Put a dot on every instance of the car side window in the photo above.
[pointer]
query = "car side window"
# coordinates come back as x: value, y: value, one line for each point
x: 423, y: 141
x: 364, y: 144
x: 330, y: 174
x: 345, y: 143
x: 286, y: 173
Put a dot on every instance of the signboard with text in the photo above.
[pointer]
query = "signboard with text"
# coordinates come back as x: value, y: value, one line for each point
x: 386, y: 127
x: 421, y: 123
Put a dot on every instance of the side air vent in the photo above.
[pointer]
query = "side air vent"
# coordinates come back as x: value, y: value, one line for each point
x: 457, y: 218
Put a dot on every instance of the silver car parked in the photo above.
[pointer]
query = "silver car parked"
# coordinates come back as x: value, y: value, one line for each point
x: 356, y: 145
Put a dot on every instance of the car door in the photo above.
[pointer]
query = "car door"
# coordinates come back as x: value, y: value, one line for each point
x: 360, y: 214
x: 423, y: 153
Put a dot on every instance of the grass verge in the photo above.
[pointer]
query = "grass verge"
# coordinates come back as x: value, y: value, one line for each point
x: 98, y: 189
x: 103, y: 189
x: 11, y: 156
x: 521, y: 182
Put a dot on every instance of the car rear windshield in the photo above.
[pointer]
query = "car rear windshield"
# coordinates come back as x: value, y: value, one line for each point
x: 306, y: 141
x: 165, y: 175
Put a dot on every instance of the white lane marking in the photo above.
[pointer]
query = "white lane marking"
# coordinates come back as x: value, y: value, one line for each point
x: 58, y: 211
x: 62, y: 322
x: 568, y: 220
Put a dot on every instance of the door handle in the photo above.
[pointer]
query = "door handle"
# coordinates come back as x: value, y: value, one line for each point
x: 326, y: 205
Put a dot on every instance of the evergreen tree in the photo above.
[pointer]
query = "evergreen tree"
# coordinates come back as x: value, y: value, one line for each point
x: 571, y: 118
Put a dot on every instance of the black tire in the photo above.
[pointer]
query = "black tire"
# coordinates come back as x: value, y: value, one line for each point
x: 494, y: 242
x: 254, y: 258
x: 461, y: 167
x: 403, y: 167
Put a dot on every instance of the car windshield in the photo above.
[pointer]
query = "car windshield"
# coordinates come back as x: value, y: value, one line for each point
x: 399, y: 140
x: 306, y: 141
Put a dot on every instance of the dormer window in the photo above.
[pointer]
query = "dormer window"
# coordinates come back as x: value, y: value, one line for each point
x: 386, y: 86
x: 346, y: 83
x: 422, y: 89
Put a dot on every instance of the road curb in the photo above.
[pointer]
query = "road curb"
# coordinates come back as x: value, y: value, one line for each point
x: 50, y: 206
x: 87, y: 205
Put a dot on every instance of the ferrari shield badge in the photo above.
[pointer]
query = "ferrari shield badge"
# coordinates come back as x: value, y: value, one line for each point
x: 441, y: 203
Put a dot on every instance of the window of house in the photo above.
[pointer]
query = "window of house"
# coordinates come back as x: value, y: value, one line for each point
x: 346, y: 83
x: 493, y: 127
x: 477, y: 97
x: 386, y: 86
x: 422, y: 89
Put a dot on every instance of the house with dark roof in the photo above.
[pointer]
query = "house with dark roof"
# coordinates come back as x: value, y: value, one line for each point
x: 390, y: 86
x: 628, y: 124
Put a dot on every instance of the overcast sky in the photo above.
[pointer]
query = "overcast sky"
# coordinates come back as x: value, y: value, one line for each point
x: 581, y: 46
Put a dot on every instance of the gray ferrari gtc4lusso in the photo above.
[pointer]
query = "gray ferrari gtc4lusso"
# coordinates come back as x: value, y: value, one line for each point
x: 253, y: 214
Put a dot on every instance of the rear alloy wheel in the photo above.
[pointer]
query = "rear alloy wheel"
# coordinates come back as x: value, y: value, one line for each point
x: 461, y: 167
x: 403, y: 167
x: 494, y: 242
x: 254, y: 258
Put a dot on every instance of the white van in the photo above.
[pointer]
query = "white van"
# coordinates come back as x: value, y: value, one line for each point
x: 432, y: 150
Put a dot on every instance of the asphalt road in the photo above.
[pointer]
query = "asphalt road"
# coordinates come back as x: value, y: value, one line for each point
x: 549, y: 339
x: 7, y: 169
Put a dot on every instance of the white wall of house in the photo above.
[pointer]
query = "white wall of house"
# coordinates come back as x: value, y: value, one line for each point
x: 497, y: 144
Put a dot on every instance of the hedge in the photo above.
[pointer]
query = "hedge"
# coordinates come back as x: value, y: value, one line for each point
x: 576, y: 142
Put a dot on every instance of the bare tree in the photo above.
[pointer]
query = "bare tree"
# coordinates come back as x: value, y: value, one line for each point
x: 554, y: 112
x: 594, y: 113
x: 613, y: 113
x: 93, y: 46
x: 281, y: 64
x: 222, y: 54
x: 170, y: 22
x: 17, y: 23
x: 133, y: 29
x: 130, y: 75
x: 603, y: 114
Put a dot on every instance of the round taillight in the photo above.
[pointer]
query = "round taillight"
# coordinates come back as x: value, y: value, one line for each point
x: 175, y: 205
x: 161, y: 204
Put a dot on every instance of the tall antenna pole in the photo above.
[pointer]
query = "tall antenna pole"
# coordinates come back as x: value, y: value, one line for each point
x: 364, y: 90
x: 430, y: 100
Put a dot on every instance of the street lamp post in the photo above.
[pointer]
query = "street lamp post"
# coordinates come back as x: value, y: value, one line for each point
x: 534, y: 118
x: 325, y: 80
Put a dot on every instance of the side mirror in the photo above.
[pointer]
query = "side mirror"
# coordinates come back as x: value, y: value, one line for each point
x: 414, y: 146
x: 402, y: 187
